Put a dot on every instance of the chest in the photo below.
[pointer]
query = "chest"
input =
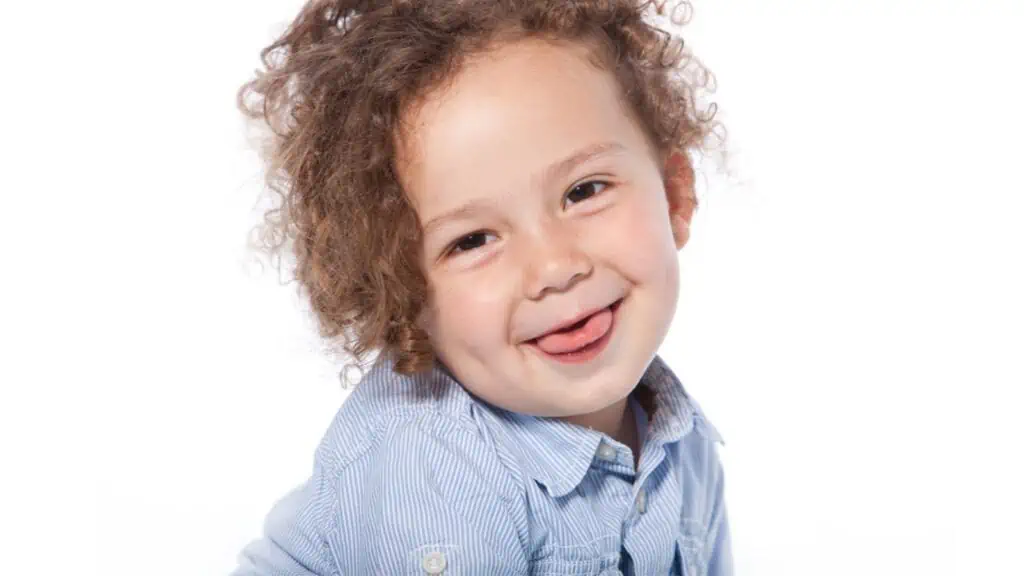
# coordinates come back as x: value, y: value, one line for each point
x: 614, y: 524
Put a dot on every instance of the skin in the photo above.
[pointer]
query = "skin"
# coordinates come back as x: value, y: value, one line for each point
x: 542, y: 199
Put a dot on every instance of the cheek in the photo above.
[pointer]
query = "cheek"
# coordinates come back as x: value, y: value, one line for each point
x: 469, y: 312
x: 639, y: 239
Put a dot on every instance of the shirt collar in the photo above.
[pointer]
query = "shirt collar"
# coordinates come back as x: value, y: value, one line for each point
x: 558, y: 454
x: 676, y: 413
x: 555, y: 453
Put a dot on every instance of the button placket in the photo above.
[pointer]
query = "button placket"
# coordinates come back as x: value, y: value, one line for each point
x: 606, y: 452
x: 641, y: 501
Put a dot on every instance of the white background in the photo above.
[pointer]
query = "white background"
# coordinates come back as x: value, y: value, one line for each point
x: 851, y: 313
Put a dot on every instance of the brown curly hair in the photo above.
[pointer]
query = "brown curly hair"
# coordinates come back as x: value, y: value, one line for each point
x: 332, y: 93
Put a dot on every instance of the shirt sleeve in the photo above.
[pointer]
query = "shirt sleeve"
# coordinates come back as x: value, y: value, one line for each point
x: 294, y: 542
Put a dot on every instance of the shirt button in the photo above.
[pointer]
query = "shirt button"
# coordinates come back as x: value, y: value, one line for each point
x: 606, y: 452
x: 434, y: 563
x: 641, y: 502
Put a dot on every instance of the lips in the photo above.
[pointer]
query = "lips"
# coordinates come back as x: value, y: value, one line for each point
x: 577, y: 335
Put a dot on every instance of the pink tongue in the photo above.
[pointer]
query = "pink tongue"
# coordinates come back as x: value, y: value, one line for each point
x: 561, y: 342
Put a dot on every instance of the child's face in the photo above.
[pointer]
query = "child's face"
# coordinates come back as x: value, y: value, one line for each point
x: 542, y: 201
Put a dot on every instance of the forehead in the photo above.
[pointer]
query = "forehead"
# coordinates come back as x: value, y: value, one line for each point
x: 506, y: 117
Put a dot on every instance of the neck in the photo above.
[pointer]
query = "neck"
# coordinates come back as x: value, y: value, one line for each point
x: 616, y: 421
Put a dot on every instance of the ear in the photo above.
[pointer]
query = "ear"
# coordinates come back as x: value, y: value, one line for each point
x: 425, y: 319
x: 679, y: 190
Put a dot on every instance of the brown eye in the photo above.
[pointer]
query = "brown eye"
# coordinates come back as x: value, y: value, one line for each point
x: 583, y: 191
x: 469, y: 242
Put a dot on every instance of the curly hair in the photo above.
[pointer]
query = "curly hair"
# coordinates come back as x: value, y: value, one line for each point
x: 332, y: 92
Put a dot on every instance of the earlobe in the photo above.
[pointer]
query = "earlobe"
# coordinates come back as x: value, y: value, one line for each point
x: 679, y: 191
x: 425, y: 319
x: 680, y: 231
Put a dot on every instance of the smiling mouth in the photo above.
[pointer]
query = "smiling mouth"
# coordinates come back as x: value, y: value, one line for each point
x: 581, y: 341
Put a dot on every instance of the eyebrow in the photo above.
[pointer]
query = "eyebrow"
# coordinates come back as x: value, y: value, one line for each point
x: 555, y: 171
x: 563, y: 167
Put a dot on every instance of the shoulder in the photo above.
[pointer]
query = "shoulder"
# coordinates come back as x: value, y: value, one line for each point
x: 703, y: 425
x: 700, y: 448
x: 696, y: 474
x: 386, y: 404
x: 695, y: 454
x: 411, y: 470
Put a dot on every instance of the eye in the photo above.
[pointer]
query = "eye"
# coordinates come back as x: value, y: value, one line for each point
x: 583, y: 191
x: 468, y: 242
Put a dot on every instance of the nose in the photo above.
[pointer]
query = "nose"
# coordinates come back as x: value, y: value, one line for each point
x: 555, y: 263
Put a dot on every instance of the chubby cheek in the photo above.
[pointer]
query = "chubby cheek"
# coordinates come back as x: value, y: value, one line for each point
x: 638, y: 242
x: 469, y: 315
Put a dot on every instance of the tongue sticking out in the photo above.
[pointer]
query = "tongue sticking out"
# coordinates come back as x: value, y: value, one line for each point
x: 578, y: 335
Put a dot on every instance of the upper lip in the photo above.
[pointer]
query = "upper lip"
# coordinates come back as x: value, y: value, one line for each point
x: 566, y: 323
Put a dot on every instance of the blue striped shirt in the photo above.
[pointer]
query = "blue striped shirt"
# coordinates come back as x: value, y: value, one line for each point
x: 417, y: 476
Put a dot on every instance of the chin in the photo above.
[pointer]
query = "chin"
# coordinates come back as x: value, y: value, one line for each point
x: 596, y: 396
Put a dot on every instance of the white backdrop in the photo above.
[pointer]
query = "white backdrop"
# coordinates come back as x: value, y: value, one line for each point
x: 850, y: 317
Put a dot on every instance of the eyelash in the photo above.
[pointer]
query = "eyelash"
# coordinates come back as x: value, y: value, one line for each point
x: 453, y: 248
